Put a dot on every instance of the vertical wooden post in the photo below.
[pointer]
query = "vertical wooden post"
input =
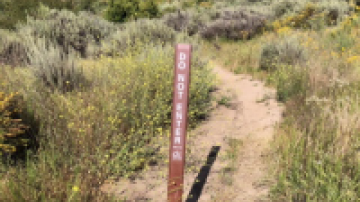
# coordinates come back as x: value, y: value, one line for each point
x: 179, y: 122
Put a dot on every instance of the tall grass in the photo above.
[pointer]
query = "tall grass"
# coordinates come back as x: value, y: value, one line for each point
x: 317, y: 145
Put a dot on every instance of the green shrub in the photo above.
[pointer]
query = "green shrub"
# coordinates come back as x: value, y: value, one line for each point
x: 283, y: 7
x: 51, y: 65
x: 290, y: 81
x: 231, y: 23
x: 341, y: 38
x: 12, y: 49
x: 13, y: 12
x: 178, y: 21
x: 100, y: 7
x: 188, y: 4
x: 169, y: 7
x: 86, y: 5
x: 125, y: 10
x: 343, y: 41
x: 286, y: 51
x: 16, y: 11
x: 312, y: 15
x: 235, y: 24
x: 69, y: 30
x: 191, y: 22
x: 82, y: 32
x: 142, y: 31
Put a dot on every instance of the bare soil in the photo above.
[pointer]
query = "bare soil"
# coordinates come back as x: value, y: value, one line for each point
x: 238, y: 175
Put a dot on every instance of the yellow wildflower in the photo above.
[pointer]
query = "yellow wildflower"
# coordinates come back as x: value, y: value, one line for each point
x: 75, y: 189
x: 352, y: 59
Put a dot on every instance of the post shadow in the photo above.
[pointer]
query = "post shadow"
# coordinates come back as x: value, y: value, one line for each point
x: 200, y: 180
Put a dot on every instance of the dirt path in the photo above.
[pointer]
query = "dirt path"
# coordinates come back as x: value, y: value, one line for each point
x: 241, y: 128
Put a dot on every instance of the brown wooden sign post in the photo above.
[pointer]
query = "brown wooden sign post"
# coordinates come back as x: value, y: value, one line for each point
x: 179, y: 122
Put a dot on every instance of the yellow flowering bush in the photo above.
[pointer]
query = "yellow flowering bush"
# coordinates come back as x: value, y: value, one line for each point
x: 344, y: 37
x: 286, y: 50
x: 310, y: 16
x: 10, y: 126
x: 138, y: 88
x: 353, y: 59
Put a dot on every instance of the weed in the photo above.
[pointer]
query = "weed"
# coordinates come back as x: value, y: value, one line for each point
x: 225, y: 100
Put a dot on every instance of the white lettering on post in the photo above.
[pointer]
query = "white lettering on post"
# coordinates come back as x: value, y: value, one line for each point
x: 178, y: 123
x: 181, y: 77
x: 182, y: 56
x: 180, y: 94
x: 177, y: 140
x: 178, y: 115
x: 180, y: 87
x: 178, y: 106
x: 177, y: 155
x: 182, y: 65
x: 177, y: 131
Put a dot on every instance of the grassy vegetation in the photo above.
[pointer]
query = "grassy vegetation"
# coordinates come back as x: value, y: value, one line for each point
x: 317, y: 146
x: 97, y: 98
x: 106, y: 127
x: 224, y: 100
x: 320, y: 136
x: 15, y: 11
x: 232, y: 155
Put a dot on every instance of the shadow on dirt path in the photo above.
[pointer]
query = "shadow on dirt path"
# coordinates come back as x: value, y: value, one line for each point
x: 200, y: 180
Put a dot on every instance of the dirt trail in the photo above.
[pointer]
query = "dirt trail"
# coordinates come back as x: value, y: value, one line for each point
x: 250, y: 117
